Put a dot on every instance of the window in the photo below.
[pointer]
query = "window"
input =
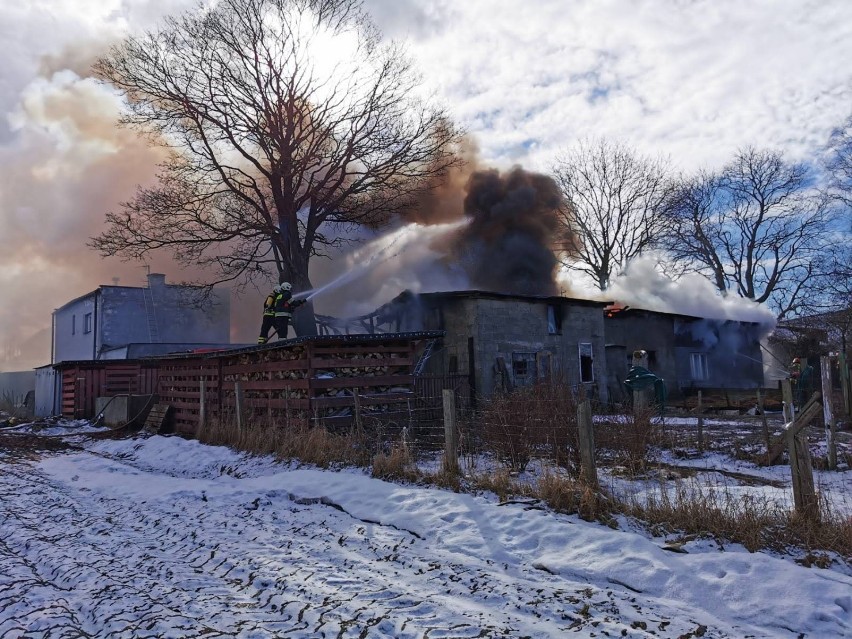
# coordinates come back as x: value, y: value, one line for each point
x: 554, y: 320
x: 698, y: 366
x: 453, y: 366
x: 73, y: 324
x: 587, y: 373
x: 544, y: 365
x: 87, y: 323
x: 523, y: 368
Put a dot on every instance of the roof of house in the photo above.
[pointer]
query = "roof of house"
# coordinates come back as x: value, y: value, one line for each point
x: 511, y: 296
x: 102, y: 287
x: 95, y: 292
x: 626, y: 311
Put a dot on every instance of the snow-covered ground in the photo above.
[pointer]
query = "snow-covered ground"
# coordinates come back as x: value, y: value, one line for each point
x: 163, y: 537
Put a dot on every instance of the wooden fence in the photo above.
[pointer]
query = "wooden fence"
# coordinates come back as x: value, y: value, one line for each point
x: 327, y: 378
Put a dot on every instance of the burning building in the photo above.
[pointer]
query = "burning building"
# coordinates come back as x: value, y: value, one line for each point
x: 499, y: 341
x: 687, y: 352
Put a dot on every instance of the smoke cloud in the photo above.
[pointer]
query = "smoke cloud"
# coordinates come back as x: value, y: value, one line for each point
x: 477, y: 229
x: 63, y: 165
x: 642, y: 285
x: 514, y: 227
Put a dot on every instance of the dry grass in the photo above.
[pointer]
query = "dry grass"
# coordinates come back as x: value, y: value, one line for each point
x: 534, y: 421
x: 445, y: 479
x: 686, y: 508
x: 561, y: 492
x: 499, y: 482
x: 569, y: 495
x: 628, y: 438
x: 309, y: 444
x: 756, y: 522
x: 395, y: 464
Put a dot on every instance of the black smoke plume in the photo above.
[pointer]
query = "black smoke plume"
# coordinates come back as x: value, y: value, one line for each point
x: 515, y: 227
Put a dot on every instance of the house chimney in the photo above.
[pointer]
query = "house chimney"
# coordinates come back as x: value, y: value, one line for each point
x: 156, y: 280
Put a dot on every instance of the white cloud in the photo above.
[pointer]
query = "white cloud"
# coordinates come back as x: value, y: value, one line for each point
x: 690, y: 80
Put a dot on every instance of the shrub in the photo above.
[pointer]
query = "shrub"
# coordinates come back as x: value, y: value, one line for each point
x: 539, y: 420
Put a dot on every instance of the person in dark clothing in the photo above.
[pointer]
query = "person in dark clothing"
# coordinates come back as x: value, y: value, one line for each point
x: 268, y: 315
x: 284, y: 307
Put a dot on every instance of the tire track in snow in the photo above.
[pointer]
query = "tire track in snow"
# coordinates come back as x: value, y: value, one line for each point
x: 78, y: 563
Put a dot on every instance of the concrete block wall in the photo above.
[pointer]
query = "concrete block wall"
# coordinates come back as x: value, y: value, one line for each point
x: 652, y: 333
x: 503, y: 326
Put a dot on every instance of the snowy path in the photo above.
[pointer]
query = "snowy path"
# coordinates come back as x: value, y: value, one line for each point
x: 161, y: 539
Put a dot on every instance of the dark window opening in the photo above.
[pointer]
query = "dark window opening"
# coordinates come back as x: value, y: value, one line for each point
x: 554, y: 319
x: 453, y: 366
x: 587, y: 373
x: 437, y: 320
x: 73, y: 324
x: 523, y: 368
x: 87, y: 323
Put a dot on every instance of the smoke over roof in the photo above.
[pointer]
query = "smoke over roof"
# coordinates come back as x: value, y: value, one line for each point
x: 642, y: 285
x: 475, y: 228
x: 508, y: 244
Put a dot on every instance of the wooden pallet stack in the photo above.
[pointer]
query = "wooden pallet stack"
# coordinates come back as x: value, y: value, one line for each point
x: 318, y: 381
x: 180, y: 385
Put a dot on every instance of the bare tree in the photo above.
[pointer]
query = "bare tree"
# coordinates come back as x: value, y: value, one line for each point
x: 287, y: 122
x: 835, y: 291
x: 839, y: 163
x: 613, y: 199
x: 755, y: 229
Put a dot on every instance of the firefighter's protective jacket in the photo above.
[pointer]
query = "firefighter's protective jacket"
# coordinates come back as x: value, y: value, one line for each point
x: 269, y: 305
x: 284, y: 306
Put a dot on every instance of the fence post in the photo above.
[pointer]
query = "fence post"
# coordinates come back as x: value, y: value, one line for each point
x: 787, y: 397
x: 588, y: 471
x: 828, y: 412
x: 700, y: 425
x: 451, y: 444
x: 238, y: 404
x: 845, y: 384
x: 356, y: 395
x: 764, y: 421
x: 202, y: 407
x: 804, y: 494
x: 287, y: 408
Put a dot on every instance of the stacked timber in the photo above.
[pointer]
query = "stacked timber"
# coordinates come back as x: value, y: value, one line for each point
x: 381, y: 375
x: 179, y: 385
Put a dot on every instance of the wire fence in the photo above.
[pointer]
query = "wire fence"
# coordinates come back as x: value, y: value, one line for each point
x: 509, y: 430
x: 538, y: 424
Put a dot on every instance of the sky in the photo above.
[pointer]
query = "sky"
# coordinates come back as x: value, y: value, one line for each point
x: 234, y: 544
x: 688, y: 81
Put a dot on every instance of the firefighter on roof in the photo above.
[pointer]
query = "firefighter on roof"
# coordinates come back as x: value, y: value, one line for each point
x: 284, y: 307
x: 268, y: 315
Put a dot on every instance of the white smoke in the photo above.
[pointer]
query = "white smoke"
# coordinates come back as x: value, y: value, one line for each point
x: 407, y: 258
x: 642, y: 285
